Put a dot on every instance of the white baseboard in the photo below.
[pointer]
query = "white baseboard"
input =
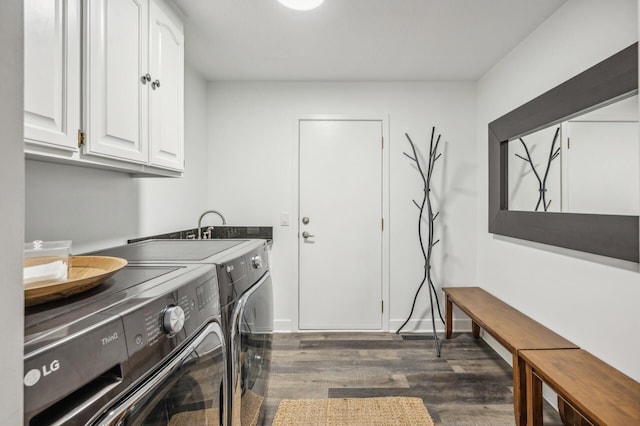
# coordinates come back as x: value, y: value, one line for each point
x: 420, y: 326
x: 282, y: 326
x: 425, y: 326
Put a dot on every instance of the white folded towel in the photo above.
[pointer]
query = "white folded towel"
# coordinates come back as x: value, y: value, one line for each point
x: 53, y: 271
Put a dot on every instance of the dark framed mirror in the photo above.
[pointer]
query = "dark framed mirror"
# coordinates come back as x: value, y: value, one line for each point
x: 611, y: 235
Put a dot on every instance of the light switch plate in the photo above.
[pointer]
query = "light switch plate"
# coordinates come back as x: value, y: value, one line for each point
x: 284, y: 219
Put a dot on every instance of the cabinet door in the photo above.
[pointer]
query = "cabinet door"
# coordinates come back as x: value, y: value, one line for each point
x: 116, y: 98
x: 52, y: 73
x: 166, y: 131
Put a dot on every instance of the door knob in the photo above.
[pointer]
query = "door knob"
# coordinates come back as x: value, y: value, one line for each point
x: 305, y: 234
x: 305, y: 220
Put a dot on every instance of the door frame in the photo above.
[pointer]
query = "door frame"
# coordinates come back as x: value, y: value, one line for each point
x: 295, y: 234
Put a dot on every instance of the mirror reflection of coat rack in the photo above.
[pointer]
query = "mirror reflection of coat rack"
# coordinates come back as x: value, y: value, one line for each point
x: 608, y: 233
x: 596, y: 171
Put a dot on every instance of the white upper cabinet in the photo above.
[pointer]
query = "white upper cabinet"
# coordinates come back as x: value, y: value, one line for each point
x: 52, y: 74
x: 116, y: 95
x: 122, y: 92
x: 166, y: 130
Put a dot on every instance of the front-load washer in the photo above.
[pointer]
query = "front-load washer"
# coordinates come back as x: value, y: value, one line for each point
x: 144, y: 347
x: 246, y: 300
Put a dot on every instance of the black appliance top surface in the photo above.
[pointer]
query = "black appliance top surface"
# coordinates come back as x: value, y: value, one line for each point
x: 171, y: 250
x: 107, y: 338
x: 109, y: 292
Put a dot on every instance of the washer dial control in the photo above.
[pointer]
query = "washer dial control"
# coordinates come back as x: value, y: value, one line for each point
x: 173, y: 319
x: 256, y: 262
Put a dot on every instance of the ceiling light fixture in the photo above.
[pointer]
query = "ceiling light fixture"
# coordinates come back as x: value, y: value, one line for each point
x: 301, y: 4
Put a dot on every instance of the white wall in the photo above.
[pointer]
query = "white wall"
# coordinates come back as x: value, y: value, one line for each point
x: 581, y: 297
x: 11, y: 212
x: 605, y: 188
x: 98, y: 209
x: 252, y: 174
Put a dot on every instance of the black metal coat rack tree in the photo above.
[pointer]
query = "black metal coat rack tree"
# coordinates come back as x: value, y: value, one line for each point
x: 426, y: 202
x: 542, y: 182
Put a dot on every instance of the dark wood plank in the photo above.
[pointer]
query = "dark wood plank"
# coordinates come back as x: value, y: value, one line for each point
x: 604, y: 395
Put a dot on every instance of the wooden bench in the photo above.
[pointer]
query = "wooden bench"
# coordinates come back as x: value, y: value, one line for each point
x: 601, y: 394
x: 510, y: 327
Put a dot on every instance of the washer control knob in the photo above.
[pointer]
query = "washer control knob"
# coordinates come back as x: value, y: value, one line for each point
x: 173, y: 319
x: 256, y: 262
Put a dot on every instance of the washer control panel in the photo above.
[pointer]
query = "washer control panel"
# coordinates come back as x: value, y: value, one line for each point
x: 169, y: 316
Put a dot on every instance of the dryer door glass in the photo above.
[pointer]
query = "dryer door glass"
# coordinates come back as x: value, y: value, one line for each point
x: 252, y: 349
x: 188, y: 390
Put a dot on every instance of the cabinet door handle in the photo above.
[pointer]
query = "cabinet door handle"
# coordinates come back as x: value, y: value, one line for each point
x: 145, y: 78
x: 155, y: 84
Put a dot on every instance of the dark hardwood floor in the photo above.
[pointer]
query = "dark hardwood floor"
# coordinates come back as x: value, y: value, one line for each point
x: 469, y: 385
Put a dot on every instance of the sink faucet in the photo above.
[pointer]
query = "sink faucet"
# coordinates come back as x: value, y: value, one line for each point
x: 224, y: 222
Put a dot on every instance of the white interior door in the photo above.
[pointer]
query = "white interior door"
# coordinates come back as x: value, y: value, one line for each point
x: 340, y: 262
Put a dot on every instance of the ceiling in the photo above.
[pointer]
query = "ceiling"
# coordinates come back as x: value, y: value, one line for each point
x: 356, y: 40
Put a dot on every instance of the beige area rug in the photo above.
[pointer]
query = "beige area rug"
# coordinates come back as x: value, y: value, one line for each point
x: 207, y: 417
x: 392, y: 411
x: 251, y: 403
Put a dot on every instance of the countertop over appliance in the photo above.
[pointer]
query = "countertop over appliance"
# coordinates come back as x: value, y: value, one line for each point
x: 181, y: 251
x: 239, y: 263
x: 172, y: 251
x: 218, y: 232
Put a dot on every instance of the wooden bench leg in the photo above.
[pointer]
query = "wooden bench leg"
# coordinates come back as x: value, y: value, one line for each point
x: 534, y: 398
x: 448, y: 318
x: 519, y: 391
x: 569, y: 416
x: 476, y: 329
